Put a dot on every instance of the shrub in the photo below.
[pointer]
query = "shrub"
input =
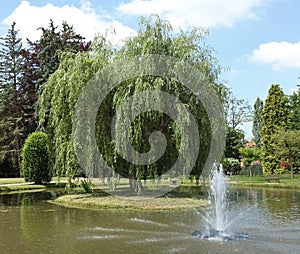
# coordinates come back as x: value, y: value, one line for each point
x: 36, y: 162
x: 231, y: 166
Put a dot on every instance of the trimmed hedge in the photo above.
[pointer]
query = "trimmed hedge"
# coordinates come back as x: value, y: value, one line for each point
x: 36, y: 160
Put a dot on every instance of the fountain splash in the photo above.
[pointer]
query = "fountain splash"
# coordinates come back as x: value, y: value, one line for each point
x: 216, y: 217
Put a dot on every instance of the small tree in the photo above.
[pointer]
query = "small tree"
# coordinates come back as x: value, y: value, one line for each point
x: 234, y: 141
x: 36, y: 163
x: 287, y: 144
x: 250, y: 154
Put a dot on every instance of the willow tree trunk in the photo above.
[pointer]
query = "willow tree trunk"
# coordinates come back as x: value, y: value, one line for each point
x: 133, y: 180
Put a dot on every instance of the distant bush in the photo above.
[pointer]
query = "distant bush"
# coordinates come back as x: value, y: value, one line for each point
x: 231, y: 166
x: 36, y: 162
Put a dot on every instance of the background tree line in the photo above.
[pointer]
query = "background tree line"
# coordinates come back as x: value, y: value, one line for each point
x: 276, y: 130
x: 23, y: 71
x: 276, y: 134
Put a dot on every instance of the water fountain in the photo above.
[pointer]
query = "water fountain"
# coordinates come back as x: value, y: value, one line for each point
x: 216, y: 217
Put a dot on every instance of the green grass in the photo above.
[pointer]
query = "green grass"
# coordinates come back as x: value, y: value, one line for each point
x: 96, y: 201
x: 21, y: 187
x: 260, y: 181
x: 11, y: 180
x: 19, y: 184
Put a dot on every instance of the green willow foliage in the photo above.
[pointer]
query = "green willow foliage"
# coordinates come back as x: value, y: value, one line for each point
x: 59, y: 97
x: 64, y: 86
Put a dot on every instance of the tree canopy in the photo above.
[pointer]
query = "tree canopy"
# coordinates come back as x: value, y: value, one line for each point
x: 62, y: 89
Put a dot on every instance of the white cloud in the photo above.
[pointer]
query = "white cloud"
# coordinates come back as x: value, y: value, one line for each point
x: 280, y: 55
x: 206, y: 13
x: 84, y: 19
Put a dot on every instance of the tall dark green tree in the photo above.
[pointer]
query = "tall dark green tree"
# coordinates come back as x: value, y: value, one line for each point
x: 51, y: 44
x: 294, y: 104
x: 274, y: 117
x: 44, y: 55
x: 11, y: 118
x: 257, y: 121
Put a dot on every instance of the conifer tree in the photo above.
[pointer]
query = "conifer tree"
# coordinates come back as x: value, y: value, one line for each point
x: 45, y: 54
x: 274, y: 117
x: 295, y: 110
x: 51, y: 44
x: 11, y: 121
x: 257, y: 121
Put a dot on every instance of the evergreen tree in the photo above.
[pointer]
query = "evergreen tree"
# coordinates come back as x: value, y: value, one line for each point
x: 36, y: 160
x: 28, y: 98
x: 274, y: 117
x: 257, y: 121
x: 11, y: 118
x: 51, y: 44
x: 44, y: 55
x: 294, y: 103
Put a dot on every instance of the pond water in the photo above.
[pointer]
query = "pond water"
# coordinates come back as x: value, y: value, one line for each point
x: 30, y: 224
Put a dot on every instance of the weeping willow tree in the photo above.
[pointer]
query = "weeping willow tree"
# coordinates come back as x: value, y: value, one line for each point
x: 58, y: 98
x: 63, y: 88
x: 156, y: 37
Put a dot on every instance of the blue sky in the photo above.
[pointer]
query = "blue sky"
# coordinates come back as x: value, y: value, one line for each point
x: 259, y: 40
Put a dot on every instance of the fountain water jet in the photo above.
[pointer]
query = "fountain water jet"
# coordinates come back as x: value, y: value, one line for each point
x: 216, y: 216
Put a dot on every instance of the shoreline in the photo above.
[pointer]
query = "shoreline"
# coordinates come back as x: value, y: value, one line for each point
x: 177, y: 199
x: 265, y: 185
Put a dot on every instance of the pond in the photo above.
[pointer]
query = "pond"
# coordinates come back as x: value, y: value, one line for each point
x: 30, y: 224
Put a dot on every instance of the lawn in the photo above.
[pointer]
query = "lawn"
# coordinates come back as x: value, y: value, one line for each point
x: 260, y: 181
x: 11, y: 180
x: 19, y: 184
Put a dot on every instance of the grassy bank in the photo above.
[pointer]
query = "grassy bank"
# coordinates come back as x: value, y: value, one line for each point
x: 20, y: 187
x: 96, y: 201
x: 18, y: 184
x: 260, y: 181
x: 11, y: 181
